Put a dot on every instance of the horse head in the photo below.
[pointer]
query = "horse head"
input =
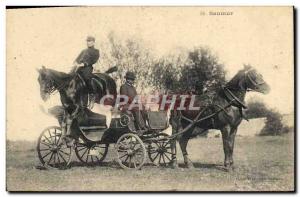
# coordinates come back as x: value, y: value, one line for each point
x: 51, y: 80
x: 46, y: 83
x: 254, y: 81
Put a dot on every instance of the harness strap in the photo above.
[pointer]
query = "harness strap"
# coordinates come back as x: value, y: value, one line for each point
x: 82, y: 80
x: 235, y: 98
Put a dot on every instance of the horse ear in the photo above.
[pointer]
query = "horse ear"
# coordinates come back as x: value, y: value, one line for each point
x: 247, y: 67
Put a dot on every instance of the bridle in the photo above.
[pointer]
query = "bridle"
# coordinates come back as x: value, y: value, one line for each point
x: 253, y: 82
x: 53, y: 89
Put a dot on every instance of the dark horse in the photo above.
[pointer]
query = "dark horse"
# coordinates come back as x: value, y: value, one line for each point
x: 224, y: 113
x: 69, y: 85
x: 72, y: 89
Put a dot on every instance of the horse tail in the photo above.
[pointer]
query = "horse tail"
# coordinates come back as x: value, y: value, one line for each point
x: 111, y: 70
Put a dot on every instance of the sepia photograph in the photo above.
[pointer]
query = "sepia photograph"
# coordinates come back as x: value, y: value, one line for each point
x: 150, y: 99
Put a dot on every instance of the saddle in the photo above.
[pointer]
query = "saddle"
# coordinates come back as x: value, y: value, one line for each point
x: 97, y: 85
x: 99, y: 81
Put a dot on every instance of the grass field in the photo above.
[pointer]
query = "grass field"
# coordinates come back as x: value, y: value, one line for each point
x: 261, y: 163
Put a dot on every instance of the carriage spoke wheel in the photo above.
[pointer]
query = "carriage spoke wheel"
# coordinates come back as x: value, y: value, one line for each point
x: 131, y: 151
x: 91, y: 153
x: 52, y: 149
x: 159, y: 152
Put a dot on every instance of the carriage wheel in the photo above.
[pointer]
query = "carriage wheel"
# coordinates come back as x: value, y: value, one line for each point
x: 52, y: 149
x: 131, y: 151
x: 160, y: 152
x: 91, y: 153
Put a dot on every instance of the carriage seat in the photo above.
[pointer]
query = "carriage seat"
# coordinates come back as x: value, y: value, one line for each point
x: 93, y: 119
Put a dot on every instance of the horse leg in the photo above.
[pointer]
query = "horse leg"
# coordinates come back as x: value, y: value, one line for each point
x: 174, y: 163
x: 176, y: 126
x: 233, y: 131
x: 226, y: 145
x: 183, y: 141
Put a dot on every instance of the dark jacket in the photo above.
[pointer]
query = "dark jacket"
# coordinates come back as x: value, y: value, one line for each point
x: 88, y: 56
x: 128, y: 90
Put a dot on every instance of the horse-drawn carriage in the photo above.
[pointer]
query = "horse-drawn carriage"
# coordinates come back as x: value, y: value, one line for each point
x: 224, y: 112
x: 91, y: 147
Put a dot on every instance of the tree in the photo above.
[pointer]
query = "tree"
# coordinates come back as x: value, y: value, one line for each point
x: 166, y: 73
x: 195, y: 70
x: 129, y: 55
x: 202, y: 71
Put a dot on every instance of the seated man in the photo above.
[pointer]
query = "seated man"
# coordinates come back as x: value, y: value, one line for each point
x: 129, y: 90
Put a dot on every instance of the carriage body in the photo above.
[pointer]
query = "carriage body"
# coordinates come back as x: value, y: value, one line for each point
x: 94, y: 138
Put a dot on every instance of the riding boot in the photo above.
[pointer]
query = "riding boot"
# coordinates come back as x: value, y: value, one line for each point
x: 92, y: 95
x: 92, y: 98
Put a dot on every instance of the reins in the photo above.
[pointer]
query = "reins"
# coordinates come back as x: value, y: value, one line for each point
x: 53, y: 89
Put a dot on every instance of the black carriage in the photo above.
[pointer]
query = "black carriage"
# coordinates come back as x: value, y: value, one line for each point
x: 132, y: 146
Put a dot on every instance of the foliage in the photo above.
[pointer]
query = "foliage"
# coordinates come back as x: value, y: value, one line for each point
x: 165, y: 74
x: 202, y: 71
x: 256, y: 109
x: 129, y: 55
x: 274, y: 125
x: 195, y: 70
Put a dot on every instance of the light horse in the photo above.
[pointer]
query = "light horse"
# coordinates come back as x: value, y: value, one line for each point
x: 225, y: 113
x: 72, y: 89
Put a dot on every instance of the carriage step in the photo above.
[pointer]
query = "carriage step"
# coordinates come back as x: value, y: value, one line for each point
x: 92, y: 127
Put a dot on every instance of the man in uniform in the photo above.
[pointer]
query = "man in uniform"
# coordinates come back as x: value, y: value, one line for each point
x: 85, y: 60
x: 129, y: 90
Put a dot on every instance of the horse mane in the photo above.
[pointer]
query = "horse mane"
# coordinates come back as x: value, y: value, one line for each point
x: 235, y: 81
x: 58, y: 76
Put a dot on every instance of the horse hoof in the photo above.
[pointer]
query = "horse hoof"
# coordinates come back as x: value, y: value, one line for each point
x: 174, y: 165
x: 189, y: 165
x: 228, y: 168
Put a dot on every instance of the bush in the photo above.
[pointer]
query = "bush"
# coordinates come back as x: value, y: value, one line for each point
x: 274, y: 125
x: 256, y: 109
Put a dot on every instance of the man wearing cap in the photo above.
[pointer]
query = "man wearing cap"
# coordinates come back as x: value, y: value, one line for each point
x: 129, y: 90
x: 87, y: 58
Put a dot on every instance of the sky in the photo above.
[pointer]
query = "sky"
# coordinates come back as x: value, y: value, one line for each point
x: 53, y: 37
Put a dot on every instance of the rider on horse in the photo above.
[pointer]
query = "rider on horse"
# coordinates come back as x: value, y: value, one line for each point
x: 88, y: 57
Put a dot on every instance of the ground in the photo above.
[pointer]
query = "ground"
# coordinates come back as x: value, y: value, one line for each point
x: 261, y: 164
